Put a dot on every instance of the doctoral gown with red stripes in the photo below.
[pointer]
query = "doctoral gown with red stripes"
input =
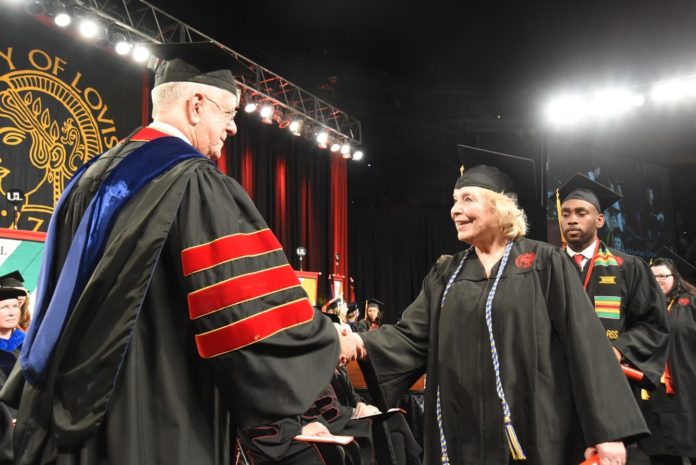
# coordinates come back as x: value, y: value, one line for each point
x: 225, y: 336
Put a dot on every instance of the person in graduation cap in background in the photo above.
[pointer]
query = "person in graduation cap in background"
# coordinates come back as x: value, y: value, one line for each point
x: 518, y: 365
x: 373, y: 316
x: 670, y: 410
x: 626, y: 297
x: 167, y: 314
x: 16, y: 280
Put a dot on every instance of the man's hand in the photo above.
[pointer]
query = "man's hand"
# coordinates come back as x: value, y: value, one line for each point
x: 315, y: 429
x: 617, y: 354
x: 352, y: 346
x: 362, y: 409
x: 610, y: 453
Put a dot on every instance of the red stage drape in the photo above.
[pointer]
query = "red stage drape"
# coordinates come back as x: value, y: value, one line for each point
x: 290, y: 181
x: 339, y: 216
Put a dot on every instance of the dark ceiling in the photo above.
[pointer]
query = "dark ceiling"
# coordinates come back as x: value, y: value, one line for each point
x: 437, y: 65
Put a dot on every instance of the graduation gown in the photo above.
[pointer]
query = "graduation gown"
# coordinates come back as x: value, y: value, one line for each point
x: 672, y: 418
x: 191, y: 324
x: 639, y: 329
x: 564, y: 389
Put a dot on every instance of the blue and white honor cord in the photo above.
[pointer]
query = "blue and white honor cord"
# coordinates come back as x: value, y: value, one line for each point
x: 513, y: 443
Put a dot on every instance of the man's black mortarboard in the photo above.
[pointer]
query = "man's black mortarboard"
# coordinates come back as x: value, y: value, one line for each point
x: 13, y: 279
x: 583, y: 188
x: 201, y: 62
x: 498, y: 172
x: 685, y: 269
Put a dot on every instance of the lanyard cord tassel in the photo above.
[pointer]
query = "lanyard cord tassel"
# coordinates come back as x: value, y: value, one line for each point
x: 513, y: 442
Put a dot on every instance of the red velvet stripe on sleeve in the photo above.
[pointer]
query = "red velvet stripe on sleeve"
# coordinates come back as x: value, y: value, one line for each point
x: 240, y: 289
x: 254, y: 328
x: 228, y: 248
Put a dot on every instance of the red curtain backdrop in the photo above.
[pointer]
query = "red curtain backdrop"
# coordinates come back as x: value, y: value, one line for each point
x: 290, y: 181
x: 339, y: 216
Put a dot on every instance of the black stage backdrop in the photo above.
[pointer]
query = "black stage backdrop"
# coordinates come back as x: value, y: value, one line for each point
x: 642, y: 221
x: 59, y: 105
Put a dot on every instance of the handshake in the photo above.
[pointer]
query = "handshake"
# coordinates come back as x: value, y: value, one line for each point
x: 352, y: 345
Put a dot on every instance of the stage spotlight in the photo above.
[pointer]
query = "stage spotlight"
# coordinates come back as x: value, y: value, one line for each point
x: 345, y: 149
x: 669, y: 91
x: 140, y: 54
x: 613, y: 102
x: 62, y: 18
x: 266, y: 114
x: 335, y: 147
x: 358, y: 155
x: 295, y: 127
x: 121, y: 43
x: 283, y: 122
x: 89, y: 28
x: 322, y: 139
x: 35, y: 7
x: 566, y: 110
x: 250, y: 106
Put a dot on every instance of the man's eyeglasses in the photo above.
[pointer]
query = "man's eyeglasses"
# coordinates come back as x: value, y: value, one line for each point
x: 230, y: 113
x: 662, y: 277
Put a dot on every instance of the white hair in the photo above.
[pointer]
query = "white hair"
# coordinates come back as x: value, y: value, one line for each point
x: 164, y: 96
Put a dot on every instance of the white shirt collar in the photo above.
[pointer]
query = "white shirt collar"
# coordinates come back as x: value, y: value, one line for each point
x: 588, y: 253
x: 169, y: 129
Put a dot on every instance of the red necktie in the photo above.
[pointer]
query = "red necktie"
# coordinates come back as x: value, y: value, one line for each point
x: 577, y: 258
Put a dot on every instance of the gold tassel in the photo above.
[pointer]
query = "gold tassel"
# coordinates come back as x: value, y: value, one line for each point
x: 645, y: 395
x: 558, y: 212
x: 513, y: 442
x: 461, y: 170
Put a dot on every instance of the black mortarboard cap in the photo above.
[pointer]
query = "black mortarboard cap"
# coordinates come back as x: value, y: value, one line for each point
x: 685, y: 269
x: 583, y: 188
x: 333, y: 317
x: 374, y: 303
x: 201, y: 62
x: 352, y: 308
x: 11, y: 292
x: 498, y: 172
x: 13, y: 279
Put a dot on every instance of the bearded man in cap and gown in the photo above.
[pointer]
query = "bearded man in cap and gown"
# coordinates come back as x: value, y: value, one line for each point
x: 518, y: 366
x: 167, y: 314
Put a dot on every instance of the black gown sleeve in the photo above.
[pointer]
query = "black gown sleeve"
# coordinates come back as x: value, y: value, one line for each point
x: 271, y: 352
x: 644, y: 338
x: 397, y: 354
x: 606, y: 407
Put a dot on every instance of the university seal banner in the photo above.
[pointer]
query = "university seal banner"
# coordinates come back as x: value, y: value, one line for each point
x: 62, y: 101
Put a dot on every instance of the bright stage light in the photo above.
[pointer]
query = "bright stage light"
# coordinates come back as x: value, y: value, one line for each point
x: 266, y: 113
x: 250, y: 107
x: 335, y: 147
x: 122, y: 47
x: 140, y: 54
x: 88, y: 28
x: 322, y: 139
x: 295, y: 127
x: 566, y: 110
x: 345, y: 149
x: 673, y: 91
x: 62, y: 19
x: 358, y: 155
x: 613, y: 102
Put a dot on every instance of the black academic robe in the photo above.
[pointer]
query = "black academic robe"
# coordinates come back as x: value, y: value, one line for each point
x: 640, y: 329
x: 564, y: 390
x: 168, y: 384
x: 672, y: 418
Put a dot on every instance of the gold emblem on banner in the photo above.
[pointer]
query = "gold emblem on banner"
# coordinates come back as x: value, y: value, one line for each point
x: 45, y: 109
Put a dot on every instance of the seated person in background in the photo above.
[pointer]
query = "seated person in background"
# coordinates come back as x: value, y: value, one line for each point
x: 373, y: 316
x: 16, y: 280
x: 352, y: 316
x: 11, y: 337
x: 400, y: 447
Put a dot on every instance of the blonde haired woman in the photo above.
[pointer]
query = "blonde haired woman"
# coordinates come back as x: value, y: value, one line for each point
x: 518, y: 365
